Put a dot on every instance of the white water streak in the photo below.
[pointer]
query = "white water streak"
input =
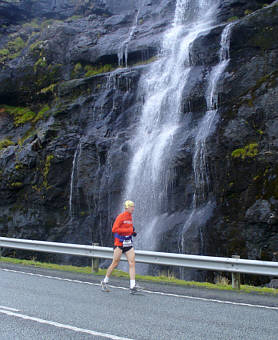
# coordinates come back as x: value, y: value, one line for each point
x: 209, y: 120
x: 162, y: 88
x: 205, y: 128
x: 77, y: 155
x: 123, y: 51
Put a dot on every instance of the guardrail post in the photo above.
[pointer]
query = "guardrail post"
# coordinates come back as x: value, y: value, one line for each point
x: 236, y: 276
x: 95, y: 261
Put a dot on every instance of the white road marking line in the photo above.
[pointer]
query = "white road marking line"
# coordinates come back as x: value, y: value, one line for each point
x: 60, y: 325
x: 9, y: 308
x: 213, y: 300
x: 148, y: 291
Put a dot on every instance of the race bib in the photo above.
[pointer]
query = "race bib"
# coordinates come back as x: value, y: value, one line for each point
x: 127, y: 243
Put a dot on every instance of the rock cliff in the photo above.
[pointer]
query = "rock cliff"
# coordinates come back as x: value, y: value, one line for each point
x: 69, y: 105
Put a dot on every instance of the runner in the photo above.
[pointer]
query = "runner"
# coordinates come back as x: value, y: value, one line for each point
x: 123, y: 231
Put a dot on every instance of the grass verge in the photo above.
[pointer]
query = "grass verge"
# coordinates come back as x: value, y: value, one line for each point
x: 157, y: 279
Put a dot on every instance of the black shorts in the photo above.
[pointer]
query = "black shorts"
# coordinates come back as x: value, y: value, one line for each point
x: 124, y: 249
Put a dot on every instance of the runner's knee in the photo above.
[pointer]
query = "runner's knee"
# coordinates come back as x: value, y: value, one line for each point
x: 115, y: 262
x: 131, y: 262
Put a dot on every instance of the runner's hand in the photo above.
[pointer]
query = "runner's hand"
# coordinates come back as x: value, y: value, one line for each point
x: 134, y: 234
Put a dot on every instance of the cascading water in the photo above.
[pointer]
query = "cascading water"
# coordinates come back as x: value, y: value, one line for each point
x: 123, y: 51
x: 209, y: 121
x: 202, y: 206
x: 74, y: 175
x: 152, y: 147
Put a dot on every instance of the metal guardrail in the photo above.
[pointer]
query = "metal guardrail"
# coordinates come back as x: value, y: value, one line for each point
x: 221, y: 264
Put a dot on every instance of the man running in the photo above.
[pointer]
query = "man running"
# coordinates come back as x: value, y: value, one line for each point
x: 123, y: 231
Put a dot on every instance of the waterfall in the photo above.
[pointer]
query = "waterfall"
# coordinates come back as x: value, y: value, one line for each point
x: 207, y: 124
x: 153, y: 142
x: 202, y: 207
x: 123, y: 51
x: 73, y: 179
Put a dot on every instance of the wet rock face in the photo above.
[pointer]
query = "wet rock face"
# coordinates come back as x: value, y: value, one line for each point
x: 246, y: 161
x: 68, y: 111
x: 230, y: 9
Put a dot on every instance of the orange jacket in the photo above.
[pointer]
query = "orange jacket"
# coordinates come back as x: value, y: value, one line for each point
x: 123, y: 226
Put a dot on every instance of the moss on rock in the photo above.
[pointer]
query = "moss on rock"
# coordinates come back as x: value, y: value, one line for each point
x: 12, y: 49
x: 5, y: 143
x: 21, y: 115
x: 46, y: 171
x: 250, y: 151
x: 93, y: 70
x: 41, y: 114
x: 17, y: 185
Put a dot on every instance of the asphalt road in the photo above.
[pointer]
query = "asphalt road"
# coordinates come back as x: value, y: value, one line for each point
x: 46, y: 304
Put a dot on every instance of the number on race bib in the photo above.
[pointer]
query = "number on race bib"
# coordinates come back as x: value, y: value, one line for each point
x: 127, y: 243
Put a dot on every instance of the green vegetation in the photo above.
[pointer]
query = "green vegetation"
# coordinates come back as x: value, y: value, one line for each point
x: 50, y: 22
x: 73, y: 18
x: 233, y: 19
x: 145, y: 62
x: 77, y: 67
x: 46, y: 171
x: 77, y: 71
x: 36, y: 48
x: 41, y: 114
x: 48, y: 89
x: 19, y: 166
x: 21, y: 115
x: 93, y: 70
x: 4, y: 52
x: 60, y: 108
x: 248, y: 11
x: 40, y: 63
x: 90, y: 70
x: 12, y: 49
x: 223, y: 284
x: 28, y: 134
x: 250, y: 150
x: 264, y: 37
x: 5, y: 143
x: 16, y: 45
x: 33, y: 24
x: 47, y: 76
x: 17, y: 184
x: 268, y: 81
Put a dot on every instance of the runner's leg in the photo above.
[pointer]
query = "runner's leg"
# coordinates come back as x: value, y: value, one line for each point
x: 134, y: 288
x: 130, y: 255
x: 116, y: 259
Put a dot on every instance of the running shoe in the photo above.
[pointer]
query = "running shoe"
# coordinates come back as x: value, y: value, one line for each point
x: 135, y: 289
x: 104, y: 287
